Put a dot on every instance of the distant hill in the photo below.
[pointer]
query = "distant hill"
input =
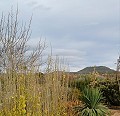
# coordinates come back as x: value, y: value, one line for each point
x: 99, y: 69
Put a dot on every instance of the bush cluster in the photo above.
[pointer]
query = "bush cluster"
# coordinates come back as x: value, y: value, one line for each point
x: 111, y: 93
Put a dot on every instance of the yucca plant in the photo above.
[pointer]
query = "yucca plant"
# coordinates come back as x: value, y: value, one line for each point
x: 91, y: 98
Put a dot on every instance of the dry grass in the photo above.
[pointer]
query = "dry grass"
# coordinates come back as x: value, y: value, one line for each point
x: 23, y: 90
x: 23, y: 94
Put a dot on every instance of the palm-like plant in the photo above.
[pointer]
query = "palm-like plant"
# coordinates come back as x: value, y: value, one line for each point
x: 91, y: 99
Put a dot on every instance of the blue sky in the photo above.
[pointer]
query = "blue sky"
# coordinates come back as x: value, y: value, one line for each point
x: 85, y: 32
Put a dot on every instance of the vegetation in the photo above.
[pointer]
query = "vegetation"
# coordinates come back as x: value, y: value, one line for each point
x: 91, y: 98
x: 25, y: 91
x: 111, y: 93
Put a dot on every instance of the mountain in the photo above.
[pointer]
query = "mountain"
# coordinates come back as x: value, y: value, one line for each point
x: 99, y: 69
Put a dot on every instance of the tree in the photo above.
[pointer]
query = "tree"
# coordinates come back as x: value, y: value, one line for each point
x: 13, y: 44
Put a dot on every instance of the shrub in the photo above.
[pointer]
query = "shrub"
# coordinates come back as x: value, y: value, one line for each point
x: 81, y: 83
x: 91, y: 99
x: 111, y: 93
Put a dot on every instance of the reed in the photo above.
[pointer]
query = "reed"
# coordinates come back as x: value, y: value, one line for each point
x: 24, y: 90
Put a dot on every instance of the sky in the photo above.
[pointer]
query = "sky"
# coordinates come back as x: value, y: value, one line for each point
x: 85, y: 32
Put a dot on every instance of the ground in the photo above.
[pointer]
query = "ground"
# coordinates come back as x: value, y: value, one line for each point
x: 115, y: 111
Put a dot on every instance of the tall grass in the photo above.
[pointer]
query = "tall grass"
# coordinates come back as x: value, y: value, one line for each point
x: 24, y: 91
x: 33, y: 94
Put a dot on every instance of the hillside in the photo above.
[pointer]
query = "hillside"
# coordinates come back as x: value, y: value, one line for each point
x: 99, y: 69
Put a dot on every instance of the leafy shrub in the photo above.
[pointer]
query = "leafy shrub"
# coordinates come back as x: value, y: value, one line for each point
x: 109, y: 87
x: 90, y: 96
x: 81, y: 83
x: 111, y: 93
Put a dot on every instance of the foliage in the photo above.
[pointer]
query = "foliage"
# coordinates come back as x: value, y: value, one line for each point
x: 90, y: 96
x: 111, y: 93
x: 88, y: 80
x: 23, y: 94
x: 91, y: 99
x: 81, y: 83
x: 108, y: 86
x: 23, y: 90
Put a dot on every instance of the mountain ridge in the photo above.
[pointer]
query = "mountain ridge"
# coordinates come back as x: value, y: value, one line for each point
x: 99, y: 69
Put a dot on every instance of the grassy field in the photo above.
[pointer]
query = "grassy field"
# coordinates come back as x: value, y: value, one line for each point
x: 26, y: 91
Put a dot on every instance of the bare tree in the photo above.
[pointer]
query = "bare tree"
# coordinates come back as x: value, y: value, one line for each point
x: 13, y: 44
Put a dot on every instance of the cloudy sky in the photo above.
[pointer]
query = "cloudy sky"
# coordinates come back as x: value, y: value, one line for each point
x: 85, y: 32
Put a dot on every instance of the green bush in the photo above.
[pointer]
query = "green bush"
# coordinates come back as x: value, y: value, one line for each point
x: 111, y: 94
x: 91, y: 98
x: 81, y: 83
x: 109, y: 88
